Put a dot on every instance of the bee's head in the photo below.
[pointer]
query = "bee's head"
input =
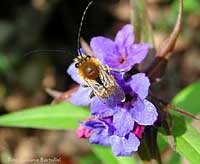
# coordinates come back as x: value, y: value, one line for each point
x: 87, y: 66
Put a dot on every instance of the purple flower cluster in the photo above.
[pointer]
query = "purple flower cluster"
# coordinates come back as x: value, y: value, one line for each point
x: 120, y: 127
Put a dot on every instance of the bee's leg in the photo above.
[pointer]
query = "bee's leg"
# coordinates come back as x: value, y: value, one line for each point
x: 91, y: 94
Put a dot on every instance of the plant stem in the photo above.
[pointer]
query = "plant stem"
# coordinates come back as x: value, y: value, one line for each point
x: 142, y: 26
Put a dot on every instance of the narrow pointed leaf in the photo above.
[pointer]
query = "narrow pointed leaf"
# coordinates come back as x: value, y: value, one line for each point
x: 187, y: 140
x: 58, y: 116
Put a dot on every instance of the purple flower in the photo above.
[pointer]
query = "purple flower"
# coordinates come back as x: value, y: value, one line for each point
x: 123, y: 142
x: 121, y: 125
x: 121, y: 53
x: 112, y: 54
x: 141, y: 110
x: 101, y: 129
x: 109, y: 133
x: 128, y: 118
x: 124, y: 146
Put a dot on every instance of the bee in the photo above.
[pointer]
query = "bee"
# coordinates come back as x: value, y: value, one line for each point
x: 99, y: 79
x: 95, y: 75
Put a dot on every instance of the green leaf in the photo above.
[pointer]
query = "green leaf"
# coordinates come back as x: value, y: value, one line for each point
x: 175, y: 159
x: 4, y: 63
x: 59, y: 116
x: 187, y: 137
x: 105, y: 154
x: 190, y: 6
x: 187, y: 140
x: 189, y: 98
x: 162, y: 144
x: 89, y: 159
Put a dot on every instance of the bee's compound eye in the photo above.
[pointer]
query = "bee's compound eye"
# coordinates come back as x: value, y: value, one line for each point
x: 77, y: 65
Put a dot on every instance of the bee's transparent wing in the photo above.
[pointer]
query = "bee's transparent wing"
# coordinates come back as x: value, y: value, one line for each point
x: 115, y: 98
x: 116, y: 93
x: 97, y: 88
x: 106, y: 88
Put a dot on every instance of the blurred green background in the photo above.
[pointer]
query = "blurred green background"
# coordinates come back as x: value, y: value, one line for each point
x: 27, y: 25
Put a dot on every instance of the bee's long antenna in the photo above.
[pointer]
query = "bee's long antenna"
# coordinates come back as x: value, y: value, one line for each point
x: 80, y: 26
x: 43, y: 51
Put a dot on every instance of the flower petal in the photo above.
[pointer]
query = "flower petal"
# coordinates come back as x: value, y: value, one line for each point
x: 123, y: 146
x: 140, y: 85
x: 123, y: 122
x: 137, y: 52
x: 102, y: 47
x: 124, y: 38
x: 95, y: 125
x: 119, y: 64
x: 147, y: 116
x: 116, y: 98
x: 98, y: 108
x: 81, y: 96
x: 101, y: 138
x: 83, y: 132
x: 132, y: 143
x: 74, y: 74
x: 137, y: 104
x: 138, y: 130
x: 117, y: 146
